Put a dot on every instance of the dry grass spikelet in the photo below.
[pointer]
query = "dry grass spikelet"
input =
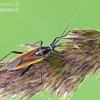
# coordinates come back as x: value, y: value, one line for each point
x: 81, y: 56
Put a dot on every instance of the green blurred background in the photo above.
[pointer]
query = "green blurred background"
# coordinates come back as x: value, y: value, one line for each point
x: 44, y: 20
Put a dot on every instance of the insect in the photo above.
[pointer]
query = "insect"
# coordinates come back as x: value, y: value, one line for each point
x: 35, y: 54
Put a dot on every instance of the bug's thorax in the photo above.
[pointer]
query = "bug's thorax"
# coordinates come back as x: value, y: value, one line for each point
x: 42, y: 51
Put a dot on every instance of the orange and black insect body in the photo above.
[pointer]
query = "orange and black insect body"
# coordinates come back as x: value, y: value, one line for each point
x: 31, y: 56
x: 35, y: 54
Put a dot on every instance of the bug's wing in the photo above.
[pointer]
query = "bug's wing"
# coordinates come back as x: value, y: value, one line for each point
x: 13, y: 64
x: 25, y: 59
x: 25, y: 54
x: 21, y: 63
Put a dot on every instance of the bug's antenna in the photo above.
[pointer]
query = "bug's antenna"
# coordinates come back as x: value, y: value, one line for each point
x: 58, y: 38
x: 71, y: 21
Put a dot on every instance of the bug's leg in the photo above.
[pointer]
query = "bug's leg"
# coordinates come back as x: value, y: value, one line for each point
x: 41, y: 42
x: 47, y: 61
x: 25, y: 70
x: 56, y: 40
x: 16, y: 52
x: 32, y: 45
x: 59, y: 56
x: 41, y: 75
x: 28, y: 69
x: 61, y: 44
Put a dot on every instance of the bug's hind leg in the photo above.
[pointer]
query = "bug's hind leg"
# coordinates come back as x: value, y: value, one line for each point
x: 25, y: 70
x: 47, y: 61
x: 15, y: 52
